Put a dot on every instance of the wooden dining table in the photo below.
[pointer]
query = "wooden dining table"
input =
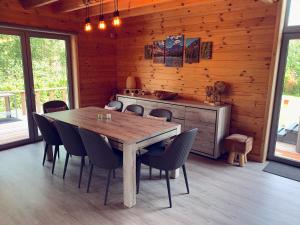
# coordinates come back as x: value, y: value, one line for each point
x: 126, y: 132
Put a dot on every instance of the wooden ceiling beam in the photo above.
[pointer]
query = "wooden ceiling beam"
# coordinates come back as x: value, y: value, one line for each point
x: 73, y: 5
x: 28, y: 4
x: 109, y: 7
x: 130, y: 8
x: 270, y: 1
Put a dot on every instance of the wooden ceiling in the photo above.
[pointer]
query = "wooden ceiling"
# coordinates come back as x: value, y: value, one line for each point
x: 127, y: 8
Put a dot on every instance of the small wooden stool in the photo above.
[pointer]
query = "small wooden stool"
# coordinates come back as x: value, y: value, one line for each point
x: 238, y: 146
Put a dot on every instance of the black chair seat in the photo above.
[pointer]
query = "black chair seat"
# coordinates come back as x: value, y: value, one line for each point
x: 50, y: 136
x: 101, y: 154
x: 170, y: 159
x: 73, y: 145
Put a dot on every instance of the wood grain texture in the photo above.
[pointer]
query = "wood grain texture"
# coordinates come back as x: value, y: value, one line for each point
x: 242, y: 33
x: 96, y: 50
x: 123, y: 127
x: 219, y: 194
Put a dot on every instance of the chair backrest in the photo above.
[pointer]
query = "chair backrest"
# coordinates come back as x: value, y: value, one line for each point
x: 137, y: 109
x: 47, y: 129
x: 117, y: 104
x: 177, y: 152
x: 99, y: 151
x: 54, y: 106
x: 162, y: 113
x: 70, y: 138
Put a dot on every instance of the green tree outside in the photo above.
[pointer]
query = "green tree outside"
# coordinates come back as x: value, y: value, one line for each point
x: 48, y: 63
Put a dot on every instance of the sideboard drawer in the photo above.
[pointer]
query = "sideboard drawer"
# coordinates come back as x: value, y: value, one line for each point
x: 201, y: 115
x: 177, y: 110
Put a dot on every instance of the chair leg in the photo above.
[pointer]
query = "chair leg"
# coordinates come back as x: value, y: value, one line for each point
x: 107, y: 186
x: 169, y: 190
x: 45, y: 153
x: 186, y: 179
x: 66, y: 164
x: 114, y: 173
x: 138, y: 176
x: 160, y: 174
x: 81, y: 168
x: 58, y: 153
x: 150, y: 172
x: 90, y: 178
x: 54, y: 160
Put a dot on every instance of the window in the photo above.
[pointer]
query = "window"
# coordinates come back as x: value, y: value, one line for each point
x: 294, y: 13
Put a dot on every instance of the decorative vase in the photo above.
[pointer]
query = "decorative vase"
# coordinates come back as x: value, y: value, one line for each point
x: 130, y: 82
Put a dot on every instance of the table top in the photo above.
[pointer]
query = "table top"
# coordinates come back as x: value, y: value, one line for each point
x: 123, y: 127
x: 6, y: 94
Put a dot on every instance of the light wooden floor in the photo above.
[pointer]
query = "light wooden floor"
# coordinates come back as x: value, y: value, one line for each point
x: 220, y: 194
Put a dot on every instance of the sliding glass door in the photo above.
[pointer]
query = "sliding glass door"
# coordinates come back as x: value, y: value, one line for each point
x: 34, y: 68
x: 50, y: 69
x: 14, y: 122
x: 285, y: 138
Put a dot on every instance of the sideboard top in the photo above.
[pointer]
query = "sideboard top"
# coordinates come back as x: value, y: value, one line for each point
x: 183, y: 102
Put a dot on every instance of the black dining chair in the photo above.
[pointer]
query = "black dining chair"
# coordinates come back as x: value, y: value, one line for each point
x: 54, y: 106
x: 172, y: 158
x: 136, y: 109
x: 116, y: 104
x: 50, y: 135
x: 101, y: 154
x: 160, y: 113
x: 73, y: 144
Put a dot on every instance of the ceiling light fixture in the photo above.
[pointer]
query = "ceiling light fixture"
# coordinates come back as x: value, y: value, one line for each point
x: 101, y: 24
x: 116, y: 19
x: 87, y: 26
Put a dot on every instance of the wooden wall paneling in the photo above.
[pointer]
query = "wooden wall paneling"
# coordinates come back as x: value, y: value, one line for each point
x: 96, y: 50
x: 242, y: 34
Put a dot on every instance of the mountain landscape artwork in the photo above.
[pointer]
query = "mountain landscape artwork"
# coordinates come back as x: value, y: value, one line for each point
x: 148, y: 51
x: 206, y: 50
x: 192, y: 50
x: 159, y: 52
x: 174, y: 51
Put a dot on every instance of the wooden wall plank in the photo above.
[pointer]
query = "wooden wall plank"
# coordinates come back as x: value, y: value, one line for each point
x: 96, y: 50
x: 242, y: 32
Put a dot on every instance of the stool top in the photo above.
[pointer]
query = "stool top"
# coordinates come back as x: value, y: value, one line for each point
x: 238, y: 138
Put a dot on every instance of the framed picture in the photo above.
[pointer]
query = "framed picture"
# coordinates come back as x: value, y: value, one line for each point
x: 192, y: 50
x: 148, y: 51
x: 159, y: 52
x: 206, y: 50
x: 174, y: 51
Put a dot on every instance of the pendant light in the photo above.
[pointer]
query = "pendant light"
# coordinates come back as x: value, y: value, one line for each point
x: 116, y: 19
x: 87, y: 26
x: 101, y: 24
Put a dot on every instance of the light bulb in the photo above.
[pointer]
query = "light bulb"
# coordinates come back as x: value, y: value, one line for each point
x: 116, y: 20
x: 101, y: 24
x: 88, y: 26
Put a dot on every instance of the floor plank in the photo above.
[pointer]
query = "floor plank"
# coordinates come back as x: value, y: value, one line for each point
x: 220, y: 194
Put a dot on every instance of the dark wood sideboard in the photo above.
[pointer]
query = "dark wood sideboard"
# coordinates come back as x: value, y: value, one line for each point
x: 212, y: 121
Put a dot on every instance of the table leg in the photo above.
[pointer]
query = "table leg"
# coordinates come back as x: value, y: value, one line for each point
x: 174, y: 173
x: 129, y: 175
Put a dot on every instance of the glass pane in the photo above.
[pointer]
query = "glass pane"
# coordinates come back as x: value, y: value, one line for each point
x: 294, y: 16
x: 288, y: 138
x: 13, y: 111
x: 49, y: 65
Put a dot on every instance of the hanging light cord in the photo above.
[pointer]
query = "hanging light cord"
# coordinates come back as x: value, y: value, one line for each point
x: 116, y: 5
x: 101, y: 7
x: 87, y: 8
